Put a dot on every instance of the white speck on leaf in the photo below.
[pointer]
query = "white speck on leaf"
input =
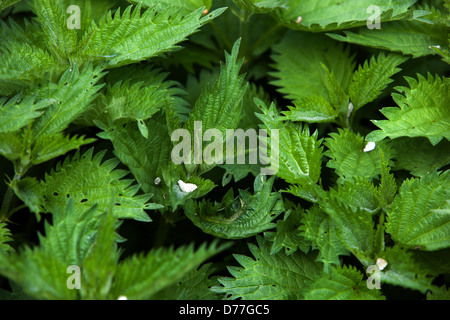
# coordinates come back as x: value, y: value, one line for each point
x: 369, y: 146
x: 299, y: 19
x: 186, y: 187
x: 122, y: 298
x: 157, y: 180
x: 381, y: 263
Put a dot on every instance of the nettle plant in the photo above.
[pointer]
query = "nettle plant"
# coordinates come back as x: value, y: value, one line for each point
x: 353, y: 97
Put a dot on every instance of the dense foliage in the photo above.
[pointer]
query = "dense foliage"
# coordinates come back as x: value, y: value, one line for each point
x: 357, y: 117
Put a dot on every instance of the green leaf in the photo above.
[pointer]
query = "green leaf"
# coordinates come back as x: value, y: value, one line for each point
x: 146, y: 158
x: 69, y: 98
x: 52, y: 16
x: 299, y: 71
x: 322, y: 232
x: 195, y: 285
x: 422, y: 111
x: 240, y: 217
x: 403, y: 271
x: 269, y: 277
x: 342, y: 283
x: 262, y: 6
x: 219, y: 106
x: 5, y: 237
x: 441, y: 293
x: 99, y: 184
x: 348, y: 158
x: 101, y: 261
x: 29, y: 190
x: 142, y: 276
x: 131, y: 37
x: 134, y: 99
x: 419, y: 215
x: 408, y: 37
x: 41, y: 271
x: 419, y: 156
x: 183, y: 5
x: 6, y: 3
x: 149, y: 160
x: 287, y: 235
x: 299, y: 154
x: 49, y: 147
x: 314, y: 108
x: 371, y: 79
x: 355, y: 226
x: 21, y: 64
x: 387, y: 189
x: 17, y: 112
x: 334, y: 14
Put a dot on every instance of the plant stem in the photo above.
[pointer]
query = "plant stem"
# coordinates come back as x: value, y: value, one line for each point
x: 7, y: 200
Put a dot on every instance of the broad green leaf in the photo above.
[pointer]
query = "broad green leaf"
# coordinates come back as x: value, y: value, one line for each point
x: 135, y: 99
x: 41, y: 271
x: 52, y: 16
x: 348, y: 158
x: 419, y: 156
x: 298, y: 155
x: 372, y: 78
x: 145, y: 158
x: 269, y: 277
x: 88, y: 181
x: 287, y: 235
x: 403, y: 271
x: 342, y: 283
x: 70, y: 97
x: 334, y: 14
x: 49, y: 147
x: 17, y: 112
x: 132, y: 37
x: 240, y: 217
x: 322, y: 232
x: 149, y: 160
x: 142, y: 276
x: 408, y: 37
x: 186, y: 6
x: 422, y: 111
x: 101, y: 261
x: 355, y: 226
x: 419, y: 215
x: 314, y: 108
x: 219, y: 106
x: 299, y: 71
x: 21, y: 64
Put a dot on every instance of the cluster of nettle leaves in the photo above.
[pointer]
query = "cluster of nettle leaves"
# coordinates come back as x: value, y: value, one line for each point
x: 130, y: 76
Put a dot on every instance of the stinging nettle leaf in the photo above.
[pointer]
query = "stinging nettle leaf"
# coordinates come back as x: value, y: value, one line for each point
x: 240, y: 217
x: 99, y: 184
x: 269, y: 277
x: 419, y: 215
x: 422, y: 111
x: 130, y: 37
x: 330, y: 15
